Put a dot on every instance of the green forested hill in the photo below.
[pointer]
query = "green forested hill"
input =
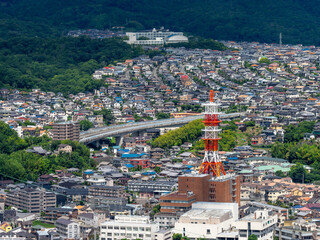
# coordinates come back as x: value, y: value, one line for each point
x: 61, y: 64
x: 250, y: 20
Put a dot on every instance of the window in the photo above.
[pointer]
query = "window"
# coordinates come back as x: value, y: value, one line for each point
x: 208, y: 231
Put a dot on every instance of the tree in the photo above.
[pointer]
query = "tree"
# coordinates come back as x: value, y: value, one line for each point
x: 176, y: 236
x: 85, y: 125
x: 157, y: 169
x: 279, y: 173
x: 107, y: 115
x: 252, y: 237
x: 264, y: 60
x: 162, y: 115
x: 298, y: 173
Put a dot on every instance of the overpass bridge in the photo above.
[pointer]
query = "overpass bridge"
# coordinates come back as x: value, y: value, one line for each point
x: 96, y: 134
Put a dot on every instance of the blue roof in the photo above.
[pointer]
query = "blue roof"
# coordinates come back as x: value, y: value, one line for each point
x: 189, y: 166
x: 88, y: 172
x: 132, y: 155
x: 232, y: 158
x: 297, y: 206
x: 129, y: 165
x: 149, y: 173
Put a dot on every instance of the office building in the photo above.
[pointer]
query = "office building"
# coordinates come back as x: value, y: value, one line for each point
x: 207, y: 220
x: 129, y: 227
x: 66, y: 130
x: 31, y: 200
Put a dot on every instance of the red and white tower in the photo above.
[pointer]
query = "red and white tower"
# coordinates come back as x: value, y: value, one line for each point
x: 211, y: 163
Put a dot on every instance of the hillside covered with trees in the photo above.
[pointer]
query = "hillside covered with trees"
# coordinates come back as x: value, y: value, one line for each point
x: 245, y: 20
x: 18, y: 164
x: 62, y: 64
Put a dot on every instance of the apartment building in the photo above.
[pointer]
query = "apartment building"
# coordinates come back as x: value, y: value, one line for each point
x: 129, y: 227
x: 261, y: 223
x: 152, y: 186
x: 32, y: 200
x: 107, y: 191
x: 68, y: 229
x: 66, y: 130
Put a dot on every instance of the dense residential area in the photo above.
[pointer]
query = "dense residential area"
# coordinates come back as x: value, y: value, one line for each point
x: 146, y: 185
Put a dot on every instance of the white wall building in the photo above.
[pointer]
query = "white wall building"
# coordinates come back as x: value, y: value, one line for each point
x: 207, y: 220
x: 261, y: 223
x: 130, y: 227
x: 68, y: 228
x: 155, y: 37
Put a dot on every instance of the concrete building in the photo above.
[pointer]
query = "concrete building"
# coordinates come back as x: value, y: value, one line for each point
x: 155, y: 37
x: 207, y: 220
x: 66, y: 130
x: 68, y: 229
x: 107, y: 191
x: 165, y: 234
x: 300, y: 229
x: 32, y: 200
x: 152, y: 186
x: 129, y: 227
x: 261, y: 223
x: 167, y: 220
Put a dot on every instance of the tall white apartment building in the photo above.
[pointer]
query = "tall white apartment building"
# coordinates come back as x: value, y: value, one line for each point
x: 261, y: 223
x: 129, y: 227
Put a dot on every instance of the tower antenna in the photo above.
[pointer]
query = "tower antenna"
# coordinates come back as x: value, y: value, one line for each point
x: 211, y: 163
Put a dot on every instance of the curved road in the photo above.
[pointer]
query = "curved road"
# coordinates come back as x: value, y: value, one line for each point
x: 116, y: 130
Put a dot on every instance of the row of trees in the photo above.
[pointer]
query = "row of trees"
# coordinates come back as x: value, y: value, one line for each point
x: 189, y: 132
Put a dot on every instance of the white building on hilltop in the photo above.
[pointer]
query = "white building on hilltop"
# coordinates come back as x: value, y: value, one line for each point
x: 129, y: 227
x: 207, y: 220
x: 261, y: 223
x: 155, y: 37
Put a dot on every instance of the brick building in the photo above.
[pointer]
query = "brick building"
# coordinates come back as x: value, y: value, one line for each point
x: 201, y: 188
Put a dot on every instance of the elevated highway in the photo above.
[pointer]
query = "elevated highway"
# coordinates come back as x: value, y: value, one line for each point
x: 96, y: 134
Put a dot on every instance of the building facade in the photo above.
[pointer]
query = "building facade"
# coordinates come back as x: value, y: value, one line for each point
x: 31, y: 200
x: 66, y: 130
x: 207, y: 220
x: 211, y: 189
x: 128, y: 227
x: 107, y: 191
x: 261, y: 223
x: 68, y: 229
x: 155, y: 37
